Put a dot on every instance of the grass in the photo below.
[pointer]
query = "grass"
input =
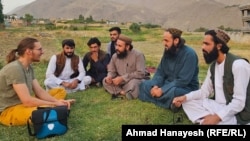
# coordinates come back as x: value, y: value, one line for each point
x: 95, y: 116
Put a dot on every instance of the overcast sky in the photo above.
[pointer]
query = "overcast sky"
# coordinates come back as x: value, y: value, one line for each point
x: 9, y: 5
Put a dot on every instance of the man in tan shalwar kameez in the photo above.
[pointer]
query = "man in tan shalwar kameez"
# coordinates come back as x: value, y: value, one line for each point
x: 126, y: 70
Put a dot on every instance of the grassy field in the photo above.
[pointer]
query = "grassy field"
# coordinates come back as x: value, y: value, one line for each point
x: 95, y: 116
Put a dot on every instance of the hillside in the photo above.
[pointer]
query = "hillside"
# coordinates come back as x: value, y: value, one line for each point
x: 184, y: 14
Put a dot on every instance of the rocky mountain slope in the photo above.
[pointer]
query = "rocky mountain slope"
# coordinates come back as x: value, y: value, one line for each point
x: 184, y: 14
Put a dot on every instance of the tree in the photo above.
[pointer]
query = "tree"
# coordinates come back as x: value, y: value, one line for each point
x: 28, y: 18
x: 89, y: 19
x: 135, y: 27
x: 81, y: 18
x: 1, y: 16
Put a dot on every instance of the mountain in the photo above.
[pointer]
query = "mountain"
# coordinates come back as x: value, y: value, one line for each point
x: 233, y: 2
x: 183, y: 14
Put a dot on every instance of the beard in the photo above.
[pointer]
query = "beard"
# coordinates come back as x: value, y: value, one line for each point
x: 210, y: 57
x: 69, y: 54
x: 122, y: 54
x: 171, y: 51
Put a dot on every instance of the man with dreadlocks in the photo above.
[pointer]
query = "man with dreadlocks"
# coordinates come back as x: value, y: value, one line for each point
x: 66, y: 70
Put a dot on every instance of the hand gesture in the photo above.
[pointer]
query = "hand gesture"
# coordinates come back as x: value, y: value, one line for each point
x: 94, y: 56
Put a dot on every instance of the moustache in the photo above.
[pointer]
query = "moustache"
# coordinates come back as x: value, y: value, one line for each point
x: 167, y: 48
x: 204, y: 51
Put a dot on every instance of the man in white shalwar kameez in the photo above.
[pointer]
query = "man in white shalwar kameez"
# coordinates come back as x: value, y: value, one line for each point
x: 66, y: 70
x: 224, y: 96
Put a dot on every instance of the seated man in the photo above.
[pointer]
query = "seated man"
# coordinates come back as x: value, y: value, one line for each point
x: 20, y: 92
x: 177, y: 73
x: 66, y: 70
x: 126, y: 70
x: 98, y: 61
x: 224, y: 97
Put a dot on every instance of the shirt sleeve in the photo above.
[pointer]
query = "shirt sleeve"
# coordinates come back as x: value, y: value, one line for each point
x: 205, y: 91
x: 112, y: 72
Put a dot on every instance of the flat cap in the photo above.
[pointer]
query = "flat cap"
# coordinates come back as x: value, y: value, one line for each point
x: 126, y: 39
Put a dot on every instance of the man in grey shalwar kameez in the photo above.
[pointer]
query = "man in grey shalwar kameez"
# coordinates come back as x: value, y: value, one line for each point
x: 126, y: 70
x: 176, y: 75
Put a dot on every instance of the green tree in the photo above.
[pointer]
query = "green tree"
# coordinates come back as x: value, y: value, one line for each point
x: 1, y: 16
x: 81, y: 18
x: 201, y: 29
x: 134, y: 27
x: 28, y: 19
x: 89, y: 19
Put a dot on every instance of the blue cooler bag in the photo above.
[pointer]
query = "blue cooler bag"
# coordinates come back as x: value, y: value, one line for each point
x: 48, y: 121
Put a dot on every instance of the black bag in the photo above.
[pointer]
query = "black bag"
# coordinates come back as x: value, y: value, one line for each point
x: 48, y: 121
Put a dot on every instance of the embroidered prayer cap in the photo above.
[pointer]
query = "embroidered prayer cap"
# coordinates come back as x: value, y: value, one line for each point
x: 175, y: 32
x: 126, y: 39
x: 69, y: 42
x: 222, y: 36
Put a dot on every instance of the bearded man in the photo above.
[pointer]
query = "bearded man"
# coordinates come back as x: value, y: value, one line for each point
x: 176, y: 75
x: 224, y: 97
x: 66, y: 70
x: 126, y: 70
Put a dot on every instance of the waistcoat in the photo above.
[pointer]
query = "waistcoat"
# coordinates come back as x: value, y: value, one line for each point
x: 242, y: 117
x: 60, y: 63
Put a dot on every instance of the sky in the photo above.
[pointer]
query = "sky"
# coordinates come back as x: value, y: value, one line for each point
x: 9, y: 5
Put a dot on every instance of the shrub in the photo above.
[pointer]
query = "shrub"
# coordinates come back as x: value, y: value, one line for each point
x: 201, y: 29
x: 134, y: 27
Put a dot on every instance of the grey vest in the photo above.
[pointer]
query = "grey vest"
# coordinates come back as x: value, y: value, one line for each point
x: 242, y: 117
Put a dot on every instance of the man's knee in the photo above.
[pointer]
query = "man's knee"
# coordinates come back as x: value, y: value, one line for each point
x: 58, y: 93
x: 49, y: 84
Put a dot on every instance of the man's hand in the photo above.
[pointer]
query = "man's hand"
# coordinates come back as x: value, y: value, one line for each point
x: 156, y: 91
x: 210, y: 120
x: 71, y: 85
x: 74, y: 84
x: 94, y: 56
x: 65, y: 84
x: 108, y: 80
x: 117, y: 81
x: 65, y: 102
x: 177, y: 101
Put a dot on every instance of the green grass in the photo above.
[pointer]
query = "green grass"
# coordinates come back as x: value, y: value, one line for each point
x: 95, y: 116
